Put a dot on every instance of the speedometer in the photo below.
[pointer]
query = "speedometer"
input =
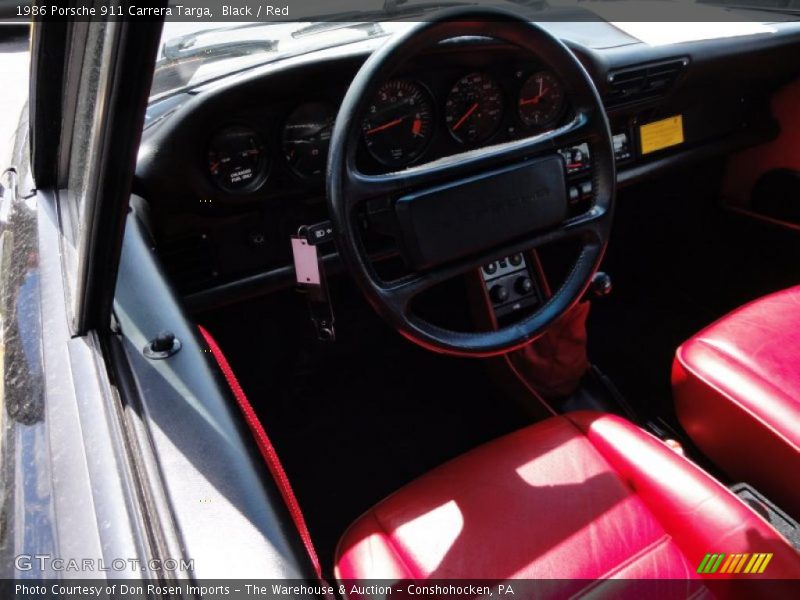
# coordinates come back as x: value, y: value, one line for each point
x: 399, y: 123
x: 474, y: 108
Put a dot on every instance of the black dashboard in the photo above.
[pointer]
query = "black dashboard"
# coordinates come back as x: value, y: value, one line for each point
x: 232, y: 169
x: 417, y: 117
x: 270, y: 147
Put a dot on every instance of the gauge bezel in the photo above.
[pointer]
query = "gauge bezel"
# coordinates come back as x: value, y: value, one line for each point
x: 264, y: 169
x: 282, y: 141
x: 433, y: 127
x: 561, y: 110
x: 500, y: 119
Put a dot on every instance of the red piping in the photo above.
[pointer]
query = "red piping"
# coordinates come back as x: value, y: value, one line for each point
x: 266, y: 448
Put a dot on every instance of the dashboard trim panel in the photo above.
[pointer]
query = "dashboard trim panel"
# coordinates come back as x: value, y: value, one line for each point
x: 724, y: 110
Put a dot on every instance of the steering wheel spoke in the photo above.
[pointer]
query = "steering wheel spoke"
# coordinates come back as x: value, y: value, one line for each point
x: 400, y: 292
x: 588, y: 226
x: 361, y: 187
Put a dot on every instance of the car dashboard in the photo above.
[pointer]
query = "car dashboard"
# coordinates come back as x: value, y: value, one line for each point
x: 231, y: 170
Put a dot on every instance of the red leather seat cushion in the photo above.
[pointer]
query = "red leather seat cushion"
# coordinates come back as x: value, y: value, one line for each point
x: 578, y: 497
x: 737, y: 394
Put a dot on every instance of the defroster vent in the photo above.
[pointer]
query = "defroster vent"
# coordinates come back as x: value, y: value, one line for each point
x: 646, y: 81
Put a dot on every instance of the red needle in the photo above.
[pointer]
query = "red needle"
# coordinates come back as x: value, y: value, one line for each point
x: 385, y: 126
x: 534, y: 100
x: 466, y: 116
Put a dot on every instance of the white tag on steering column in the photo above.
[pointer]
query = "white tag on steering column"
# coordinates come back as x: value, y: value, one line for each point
x: 306, y: 264
x: 311, y: 279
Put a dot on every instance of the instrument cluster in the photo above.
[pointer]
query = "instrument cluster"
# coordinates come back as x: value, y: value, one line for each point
x: 475, y: 108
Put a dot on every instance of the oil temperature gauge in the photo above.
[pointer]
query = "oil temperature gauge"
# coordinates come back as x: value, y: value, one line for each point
x: 306, y: 137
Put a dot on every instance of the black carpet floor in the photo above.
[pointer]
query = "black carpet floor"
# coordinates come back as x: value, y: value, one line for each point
x: 354, y: 420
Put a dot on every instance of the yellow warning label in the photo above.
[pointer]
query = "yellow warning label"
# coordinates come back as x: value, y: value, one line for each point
x: 661, y: 134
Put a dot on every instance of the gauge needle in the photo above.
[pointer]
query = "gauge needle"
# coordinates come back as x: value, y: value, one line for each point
x: 385, y: 126
x: 416, y: 127
x: 535, y: 99
x: 466, y: 116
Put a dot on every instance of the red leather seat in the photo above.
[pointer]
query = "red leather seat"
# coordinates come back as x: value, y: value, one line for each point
x: 581, y: 496
x: 737, y: 394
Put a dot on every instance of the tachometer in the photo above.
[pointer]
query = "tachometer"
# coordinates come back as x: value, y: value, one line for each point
x: 541, y: 99
x: 237, y: 160
x: 399, y: 123
x: 474, y: 108
x: 306, y: 137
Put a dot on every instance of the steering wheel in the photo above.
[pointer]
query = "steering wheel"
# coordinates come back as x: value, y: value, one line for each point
x: 460, y: 212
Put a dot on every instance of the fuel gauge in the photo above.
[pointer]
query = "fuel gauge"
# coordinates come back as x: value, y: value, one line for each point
x: 237, y: 160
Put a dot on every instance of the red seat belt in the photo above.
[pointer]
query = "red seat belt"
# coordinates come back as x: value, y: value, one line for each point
x: 266, y: 448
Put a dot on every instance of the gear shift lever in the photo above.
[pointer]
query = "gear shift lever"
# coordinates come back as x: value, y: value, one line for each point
x: 600, y: 287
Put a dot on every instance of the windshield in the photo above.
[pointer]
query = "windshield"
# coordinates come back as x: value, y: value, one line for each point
x: 196, y: 49
x: 194, y: 52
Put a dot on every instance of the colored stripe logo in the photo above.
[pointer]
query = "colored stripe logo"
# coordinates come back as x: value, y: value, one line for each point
x: 745, y: 564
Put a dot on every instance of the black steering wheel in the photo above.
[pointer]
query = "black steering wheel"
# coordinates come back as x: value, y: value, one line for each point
x: 463, y: 211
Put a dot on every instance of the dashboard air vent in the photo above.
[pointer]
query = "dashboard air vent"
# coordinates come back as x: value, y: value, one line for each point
x: 643, y: 82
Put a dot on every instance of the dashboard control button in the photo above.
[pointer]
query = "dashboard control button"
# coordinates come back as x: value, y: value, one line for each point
x: 515, y: 260
x: 490, y: 269
x: 256, y: 238
x: 523, y: 286
x: 498, y: 294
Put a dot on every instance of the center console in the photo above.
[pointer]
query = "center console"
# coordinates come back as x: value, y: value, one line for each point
x: 511, y: 285
x: 510, y: 282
